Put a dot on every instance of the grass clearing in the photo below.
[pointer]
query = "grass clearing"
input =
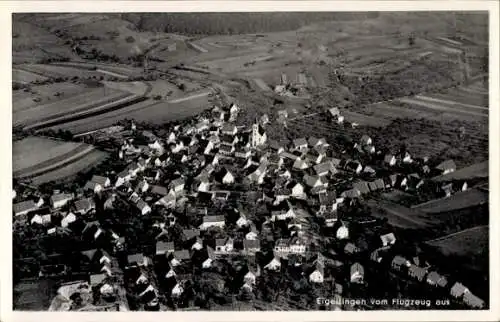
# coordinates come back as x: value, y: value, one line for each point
x: 460, y: 200
x: 32, y: 151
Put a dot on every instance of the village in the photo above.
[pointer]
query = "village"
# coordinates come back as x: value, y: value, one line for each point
x: 207, y: 213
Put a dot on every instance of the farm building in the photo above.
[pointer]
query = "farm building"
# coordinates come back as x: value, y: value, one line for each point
x: 59, y: 200
x: 446, y: 167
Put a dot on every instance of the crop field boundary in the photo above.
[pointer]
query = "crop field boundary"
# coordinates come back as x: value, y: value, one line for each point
x: 75, y: 157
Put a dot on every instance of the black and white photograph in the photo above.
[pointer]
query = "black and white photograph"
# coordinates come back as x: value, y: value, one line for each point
x: 250, y: 161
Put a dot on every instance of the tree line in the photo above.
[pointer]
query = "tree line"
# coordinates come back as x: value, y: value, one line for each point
x: 234, y: 23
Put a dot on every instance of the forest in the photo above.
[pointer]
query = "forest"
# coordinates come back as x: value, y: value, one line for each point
x: 235, y: 23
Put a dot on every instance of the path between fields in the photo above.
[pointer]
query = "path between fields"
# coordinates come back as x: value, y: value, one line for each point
x: 412, y: 101
x: 182, y: 99
x: 431, y: 99
x: 457, y: 233
x: 60, y: 163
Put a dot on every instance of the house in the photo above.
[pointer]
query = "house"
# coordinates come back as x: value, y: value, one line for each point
x: 168, y: 201
x: 417, y: 272
x: 388, y: 239
x: 137, y: 260
x: 296, y: 189
x: 357, y: 273
x: 102, y: 181
x: 93, y: 186
x: 376, y: 185
x: 354, y: 166
x: 229, y: 129
x: 315, y: 142
x: 177, y: 185
x: 224, y: 176
x: 253, y: 233
x: 350, y: 248
x: 143, y: 186
x: 123, y: 177
x: 257, y: 175
x: 330, y: 217
x: 473, y: 301
x: 366, y: 140
x: 324, y: 168
x: 313, y: 181
x: 318, y: 275
x: 163, y: 248
x: 60, y: 200
x: 274, y: 264
x: 159, y: 190
x: 276, y: 147
x: 251, y: 246
x: 213, y: 221
x: 301, y: 164
x: 399, y: 262
x: 84, y: 206
x: 351, y: 194
x: 221, y: 195
x: 224, y: 245
x: 143, y: 207
x: 300, y: 145
x: 198, y: 244
x: 210, y: 258
x: 41, y: 219
x: 446, y: 167
x: 251, y: 276
x: 314, y: 156
x: 406, y: 157
x: 177, y: 290
x: 226, y: 149
x: 24, y: 207
x: 242, y: 221
x: 97, y: 279
x: 342, y: 232
x: 327, y: 201
x: 362, y: 187
x: 458, y: 290
x: 435, y: 279
x: 390, y: 159
x: 243, y: 153
x: 179, y: 256
x: 68, y: 219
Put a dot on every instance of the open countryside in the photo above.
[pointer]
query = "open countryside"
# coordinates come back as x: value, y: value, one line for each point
x: 250, y: 161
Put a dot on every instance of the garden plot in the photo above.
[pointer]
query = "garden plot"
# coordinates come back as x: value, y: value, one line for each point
x: 137, y: 88
x: 362, y: 119
x: 25, y: 77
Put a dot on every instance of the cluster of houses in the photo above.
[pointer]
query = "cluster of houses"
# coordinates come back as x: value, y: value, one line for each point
x: 435, y: 280
x: 213, y: 164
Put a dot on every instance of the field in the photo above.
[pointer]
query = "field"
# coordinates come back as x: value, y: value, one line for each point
x: 40, y: 157
x: 25, y: 77
x: 400, y: 216
x: 66, y: 172
x: 459, y: 200
x: 469, y: 244
x: 57, y: 71
x: 478, y: 170
x: 44, y: 94
x: 146, y: 111
x: 73, y: 104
